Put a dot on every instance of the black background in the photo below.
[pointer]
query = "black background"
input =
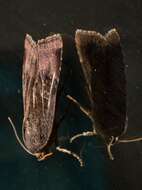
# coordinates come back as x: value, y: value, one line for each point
x: 39, y: 19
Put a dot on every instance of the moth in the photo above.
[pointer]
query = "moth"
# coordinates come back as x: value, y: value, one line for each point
x: 41, y: 76
x: 102, y: 64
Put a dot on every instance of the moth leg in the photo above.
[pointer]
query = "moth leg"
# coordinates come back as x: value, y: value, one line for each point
x: 86, y: 112
x: 84, y: 134
x: 71, y: 153
x: 111, y: 143
x: 136, y: 139
x: 42, y: 156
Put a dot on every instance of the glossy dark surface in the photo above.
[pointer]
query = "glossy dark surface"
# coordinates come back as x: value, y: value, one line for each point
x: 21, y: 171
x: 101, y: 59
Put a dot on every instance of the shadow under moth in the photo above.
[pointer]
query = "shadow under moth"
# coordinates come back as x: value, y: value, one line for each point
x: 41, y: 75
x: 102, y: 64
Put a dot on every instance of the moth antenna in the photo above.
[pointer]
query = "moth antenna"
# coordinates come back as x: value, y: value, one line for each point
x: 70, y: 153
x: 17, y: 137
x: 130, y: 140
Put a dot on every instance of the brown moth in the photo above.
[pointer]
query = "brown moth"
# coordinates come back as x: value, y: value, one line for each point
x: 41, y: 75
x: 102, y: 64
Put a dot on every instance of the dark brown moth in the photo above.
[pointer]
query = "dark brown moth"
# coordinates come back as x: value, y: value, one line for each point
x: 102, y: 63
x: 41, y: 75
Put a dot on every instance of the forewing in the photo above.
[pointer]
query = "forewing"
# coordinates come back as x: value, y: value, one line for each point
x: 116, y: 92
x: 90, y: 48
x: 29, y: 69
x: 102, y: 62
x: 38, y: 123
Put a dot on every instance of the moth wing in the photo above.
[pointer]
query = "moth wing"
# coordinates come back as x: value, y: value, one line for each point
x: 90, y: 48
x: 116, y: 98
x: 29, y: 68
x: 102, y: 63
x: 39, y: 120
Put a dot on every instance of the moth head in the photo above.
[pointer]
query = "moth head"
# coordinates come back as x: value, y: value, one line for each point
x: 42, y: 155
